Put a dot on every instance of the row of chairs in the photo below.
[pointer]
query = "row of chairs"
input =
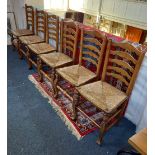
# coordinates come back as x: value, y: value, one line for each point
x: 119, y: 64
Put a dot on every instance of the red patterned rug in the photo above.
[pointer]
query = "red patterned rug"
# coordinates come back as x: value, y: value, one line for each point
x: 82, y: 126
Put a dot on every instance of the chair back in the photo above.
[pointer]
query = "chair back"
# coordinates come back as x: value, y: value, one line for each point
x: 92, y: 48
x: 52, y: 28
x: 122, y: 63
x: 69, y: 36
x: 29, y: 17
x: 41, y: 23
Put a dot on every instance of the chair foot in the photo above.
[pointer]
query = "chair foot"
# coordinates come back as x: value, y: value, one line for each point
x: 74, y: 117
x: 13, y: 48
x: 40, y: 79
x: 30, y: 68
x: 20, y: 57
x: 98, y: 142
x: 55, y: 96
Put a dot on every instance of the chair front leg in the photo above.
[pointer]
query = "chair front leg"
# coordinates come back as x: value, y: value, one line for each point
x: 39, y: 68
x: 74, y: 104
x: 102, y: 129
x: 28, y: 57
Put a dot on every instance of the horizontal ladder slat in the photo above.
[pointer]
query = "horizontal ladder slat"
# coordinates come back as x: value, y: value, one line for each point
x: 52, y: 22
x: 90, y: 60
x: 124, y: 55
x: 68, y: 42
x: 52, y: 28
x: 90, y: 53
x: 93, y: 48
x: 119, y: 77
x: 69, y: 48
x: 119, y: 70
x: 70, y: 30
x: 122, y: 63
x: 69, y: 36
x: 93, y: 40
x: 52, y: 37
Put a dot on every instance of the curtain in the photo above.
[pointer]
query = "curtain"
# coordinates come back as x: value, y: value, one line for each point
x: 17, y: 6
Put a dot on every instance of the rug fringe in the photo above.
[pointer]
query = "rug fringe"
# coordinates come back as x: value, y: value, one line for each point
x: 43, y: 93
x: 58, y: 110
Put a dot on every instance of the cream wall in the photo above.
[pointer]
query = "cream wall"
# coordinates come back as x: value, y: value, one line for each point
x: 36, y: 3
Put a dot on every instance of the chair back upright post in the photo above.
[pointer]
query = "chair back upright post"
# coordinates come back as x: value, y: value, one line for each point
x: 92, y: 48
x: 122, y: 62
x: 52, y: 28
x: 41, y: 23
x: 29, y: 11
x: 69, y: 37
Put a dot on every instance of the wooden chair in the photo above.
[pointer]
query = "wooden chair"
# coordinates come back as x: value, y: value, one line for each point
x: 66, y: 56
x: 29, y: 11
x: 40, y: 36
x: 122, y: 63
x: 92, y: 49
x: 52, y: 28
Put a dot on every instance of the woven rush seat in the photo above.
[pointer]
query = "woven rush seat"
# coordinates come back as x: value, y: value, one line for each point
x: 76, y: 74
x: 22, y: 32
x: 55, y: 59
x: 103, y: 95
x: 41, y: 48
x: 31, y: 39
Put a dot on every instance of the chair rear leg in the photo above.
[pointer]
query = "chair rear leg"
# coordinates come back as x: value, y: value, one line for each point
x: 12, y: 42
x: 55, y: 83
x: 28, y: 56
x: 74, y: 104
x: 39, y: 68
x: 20, y: 54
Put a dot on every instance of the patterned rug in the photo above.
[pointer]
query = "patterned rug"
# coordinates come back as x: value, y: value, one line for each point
x: 62, y: 105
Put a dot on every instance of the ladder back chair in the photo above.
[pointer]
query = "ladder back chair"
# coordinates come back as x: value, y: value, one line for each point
x: 29, y: 11
x: 122, y: 62
x: 40, y: 36
x: 92, y: 50
x: 66, y: 56
x: 52, y: 29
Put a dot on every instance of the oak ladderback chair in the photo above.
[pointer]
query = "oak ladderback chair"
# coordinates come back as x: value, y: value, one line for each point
x: 29, y: 17
x: 52, y: 29
x: 92, y: 49
x: 66, y: 56
x: 29, y: 11
x: 33, y: 39
x: 122, y: 63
